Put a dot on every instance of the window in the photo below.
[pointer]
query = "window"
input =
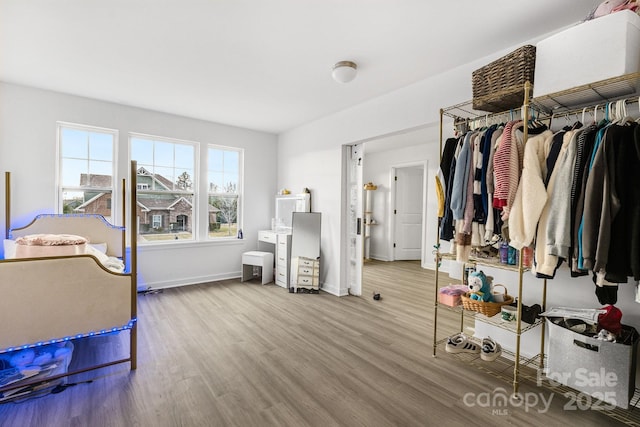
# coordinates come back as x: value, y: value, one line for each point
x: 85, y: 169
x: 224, y: 187
x: 166, y: 168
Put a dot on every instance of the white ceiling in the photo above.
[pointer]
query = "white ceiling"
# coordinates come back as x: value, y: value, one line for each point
x: 259, y: 64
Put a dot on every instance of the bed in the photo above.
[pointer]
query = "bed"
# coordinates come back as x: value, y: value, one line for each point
x: 53, y: 294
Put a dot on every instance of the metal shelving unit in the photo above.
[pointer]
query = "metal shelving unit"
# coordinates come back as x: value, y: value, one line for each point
x: 572, y: 102
x: 465, y: 117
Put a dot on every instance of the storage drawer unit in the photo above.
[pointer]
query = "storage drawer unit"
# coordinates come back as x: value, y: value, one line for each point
x: 305, y: 273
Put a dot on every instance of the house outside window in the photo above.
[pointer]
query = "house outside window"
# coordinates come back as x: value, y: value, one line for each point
x: 86, y: 169
x: 166, y: 189
x: 224, y: 175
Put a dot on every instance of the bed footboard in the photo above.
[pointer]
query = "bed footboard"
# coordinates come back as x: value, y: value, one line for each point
x: 60, y: 297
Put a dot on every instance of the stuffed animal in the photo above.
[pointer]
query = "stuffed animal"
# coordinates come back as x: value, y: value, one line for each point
x: 480, y: 286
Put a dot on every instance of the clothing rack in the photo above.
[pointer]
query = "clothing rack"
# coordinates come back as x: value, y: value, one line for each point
x: 465, y: 118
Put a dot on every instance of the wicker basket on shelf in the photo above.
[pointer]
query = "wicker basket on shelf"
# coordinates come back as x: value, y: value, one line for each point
x: 499, y: 86
x: 489, y: 309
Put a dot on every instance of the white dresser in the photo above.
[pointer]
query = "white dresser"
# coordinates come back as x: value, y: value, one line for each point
x: 305, y: 273
x: 280, y: 244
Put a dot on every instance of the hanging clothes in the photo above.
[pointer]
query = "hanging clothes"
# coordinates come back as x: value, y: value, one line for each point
x: 546, y: 264
x: 583, y: 154
x: 559, y: 226
x: 447, y: 229
x: 531, y: 195
x: 622, y: 166
x: 442, y: 178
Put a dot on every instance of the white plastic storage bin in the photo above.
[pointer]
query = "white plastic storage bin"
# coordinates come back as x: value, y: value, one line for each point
x: 589, y: 52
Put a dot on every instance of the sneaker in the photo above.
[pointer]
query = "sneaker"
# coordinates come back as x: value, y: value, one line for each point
x: 459, y: 343
x: 491, y: 350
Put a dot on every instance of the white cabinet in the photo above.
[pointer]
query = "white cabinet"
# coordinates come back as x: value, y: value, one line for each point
x: 283, y: 259
x: 280, y: 244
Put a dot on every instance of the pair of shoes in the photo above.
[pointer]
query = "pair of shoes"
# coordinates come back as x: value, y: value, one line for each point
x: 491, y: 350
x: 460, y: 343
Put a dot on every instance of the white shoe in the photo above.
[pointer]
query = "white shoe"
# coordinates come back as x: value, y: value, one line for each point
x: 491, y: 350
x: 459, y: 343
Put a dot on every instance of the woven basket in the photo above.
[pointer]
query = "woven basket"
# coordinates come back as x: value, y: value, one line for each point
x: 499, y: 86
x: 489, y: 309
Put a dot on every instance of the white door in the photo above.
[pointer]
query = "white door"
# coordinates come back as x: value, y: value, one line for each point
x: 408, y: 213
x: 355, y: 161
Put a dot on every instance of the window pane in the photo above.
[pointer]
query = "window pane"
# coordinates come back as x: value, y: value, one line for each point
x: 86, y: 160
x: 74, y: 143
x: 166, y: 168
x: 165, y: 216
x: 71, y: 200
x: 142, y: 151
x: 163, y: 153
x: 231, y: 161
x: 223, y: 175
x: 230, y: 183
x: 216, y: 182
x: 72, y: 171
x: 101, y: 146
x: 101, y: 168
x: 87, y: 202
x: 215, y: 160
x: 184, y: 156
x: 164, y: 179
x: 184, y: 181
x: 223, y: 216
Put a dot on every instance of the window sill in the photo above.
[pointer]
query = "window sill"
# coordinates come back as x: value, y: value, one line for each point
x: 164, y: 245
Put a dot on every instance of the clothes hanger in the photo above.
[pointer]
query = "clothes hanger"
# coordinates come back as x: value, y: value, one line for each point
x: 625, y: 119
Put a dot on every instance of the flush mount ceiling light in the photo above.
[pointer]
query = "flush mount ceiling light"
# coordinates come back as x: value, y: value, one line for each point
x: 344, y: 71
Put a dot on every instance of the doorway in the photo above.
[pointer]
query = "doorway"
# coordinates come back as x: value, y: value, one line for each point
x: 408, y: 213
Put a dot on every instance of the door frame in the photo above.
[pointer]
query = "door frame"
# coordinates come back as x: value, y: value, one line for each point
x: 348, y: 269
x: 392, y: 197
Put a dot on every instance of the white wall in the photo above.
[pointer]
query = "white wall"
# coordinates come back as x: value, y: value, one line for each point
x: 28, y: 119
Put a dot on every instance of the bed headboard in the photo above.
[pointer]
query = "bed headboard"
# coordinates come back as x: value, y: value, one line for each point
x: 93, y: 227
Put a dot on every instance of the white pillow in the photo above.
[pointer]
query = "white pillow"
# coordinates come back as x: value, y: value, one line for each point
x: 90, y: 250
x: 9, y: 249
x: 102, y: 247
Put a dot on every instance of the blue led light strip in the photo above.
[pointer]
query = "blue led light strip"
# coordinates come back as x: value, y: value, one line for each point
x: 69, y: 338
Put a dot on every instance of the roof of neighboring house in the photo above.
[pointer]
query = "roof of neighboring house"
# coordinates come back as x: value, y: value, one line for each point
x: 148, y: 202
x: 156, y: 177
x: 95, y: 180
x: 88, y: 202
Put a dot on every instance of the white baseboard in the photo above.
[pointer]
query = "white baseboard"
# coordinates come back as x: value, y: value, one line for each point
x: 163, y: 284
x: 334, y: 290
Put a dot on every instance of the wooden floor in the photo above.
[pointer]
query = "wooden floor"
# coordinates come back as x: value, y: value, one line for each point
x: 242, y: 354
